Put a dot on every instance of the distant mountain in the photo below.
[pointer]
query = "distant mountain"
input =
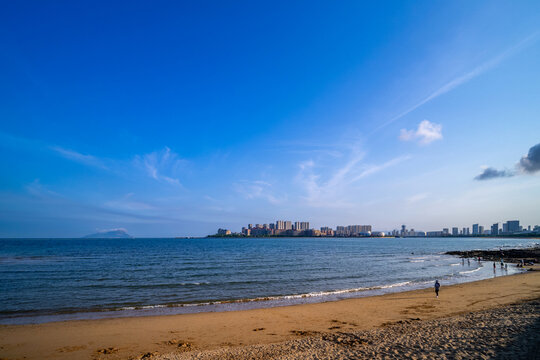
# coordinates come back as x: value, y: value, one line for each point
x: 110, y: 234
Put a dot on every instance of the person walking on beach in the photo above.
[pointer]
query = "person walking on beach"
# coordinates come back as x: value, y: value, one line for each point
x: 437, y: 286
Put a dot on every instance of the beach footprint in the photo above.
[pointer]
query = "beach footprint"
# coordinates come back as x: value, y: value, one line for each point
x: 107, y: 351
x: 67, y: 349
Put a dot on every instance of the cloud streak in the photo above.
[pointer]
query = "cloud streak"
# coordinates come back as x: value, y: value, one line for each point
x: 477, y: 71
x: 78, y: 157
x: 338, y: 188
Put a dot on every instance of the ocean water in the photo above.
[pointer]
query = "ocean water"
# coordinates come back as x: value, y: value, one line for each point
x: 45, y: 280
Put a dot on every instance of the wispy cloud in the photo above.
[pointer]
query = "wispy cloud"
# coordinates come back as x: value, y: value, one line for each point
x: 426, y: 133
x: 79, y: 157
x: 129, y: 203
x: 162, y: 165
x: 337, y: 189
x: 38, y: 190
x: 460, y: 80
x: 258, y: 189
x: 341, y: 173
x: 417, y: 197
x: 372, y: 169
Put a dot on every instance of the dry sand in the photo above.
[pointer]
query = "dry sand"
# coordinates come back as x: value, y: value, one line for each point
x: 355, y: 328
x: 507, y: 332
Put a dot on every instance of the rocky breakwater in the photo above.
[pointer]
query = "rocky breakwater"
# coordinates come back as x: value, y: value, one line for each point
x: 528, y: 255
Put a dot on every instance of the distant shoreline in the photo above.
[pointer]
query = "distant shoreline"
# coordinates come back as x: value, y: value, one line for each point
x: 521, y: 236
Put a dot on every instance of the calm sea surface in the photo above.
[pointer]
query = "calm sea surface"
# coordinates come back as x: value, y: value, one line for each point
x: 61, y: 279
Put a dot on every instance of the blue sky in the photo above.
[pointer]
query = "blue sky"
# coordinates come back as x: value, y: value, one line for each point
x: 176, y: 118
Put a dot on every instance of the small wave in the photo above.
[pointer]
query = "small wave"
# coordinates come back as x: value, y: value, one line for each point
x: 392, y: 285
x: 417, y: 261
x: 456, y: 264
x: 271, y: 298
x: 28, y: 259
x: 195, y: 283
x: 153, y: 306
x: 469, y: 271
x: 143, y: 307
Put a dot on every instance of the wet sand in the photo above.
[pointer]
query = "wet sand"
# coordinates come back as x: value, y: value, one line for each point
x: 204, y: 334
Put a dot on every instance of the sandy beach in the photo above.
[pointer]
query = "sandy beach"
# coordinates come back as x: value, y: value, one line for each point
x: 240, y: 334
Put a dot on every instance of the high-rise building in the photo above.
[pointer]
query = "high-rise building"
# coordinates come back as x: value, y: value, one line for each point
x: 495, y: 229
x: 341, y: 231
x: 288, y: 225
x: 465, y: 231
x: 445, y: 232
x: 358, y: 229
x: 455, y: 231
x: 475, y: 229
x: 280, y: 225
x: 480, y: 230
x: 513, y: 226
x: 301, y: 225
x: 327, y: 231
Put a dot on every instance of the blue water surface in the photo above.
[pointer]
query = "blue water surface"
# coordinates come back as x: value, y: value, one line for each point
x: 60, y: 279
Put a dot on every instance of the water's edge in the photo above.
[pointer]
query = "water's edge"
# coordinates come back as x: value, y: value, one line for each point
x: 253, y: 303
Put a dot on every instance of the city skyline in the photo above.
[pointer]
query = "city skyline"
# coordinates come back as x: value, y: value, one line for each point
x: 302, y: 228
x: 179, y: 119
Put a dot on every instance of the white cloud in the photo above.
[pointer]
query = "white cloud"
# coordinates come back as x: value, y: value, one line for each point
x: 426, y: 133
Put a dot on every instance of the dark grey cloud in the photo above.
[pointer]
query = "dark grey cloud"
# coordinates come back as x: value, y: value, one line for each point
x: 531, y: 163
x: 491, y: 173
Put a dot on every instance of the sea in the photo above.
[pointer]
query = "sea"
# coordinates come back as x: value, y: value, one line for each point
x: 45, y: 280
